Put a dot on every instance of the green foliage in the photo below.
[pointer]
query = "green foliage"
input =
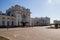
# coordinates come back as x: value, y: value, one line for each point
x: 56, y: 26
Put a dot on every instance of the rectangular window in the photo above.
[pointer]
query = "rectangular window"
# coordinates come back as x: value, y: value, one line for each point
x: 7, y: 23
x: 7, y: 18
x: 12, y: 23
x: 3, y: 17
x: 3, y: 23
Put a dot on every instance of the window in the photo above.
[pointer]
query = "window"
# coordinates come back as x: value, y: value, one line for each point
x: 8, y: 13
x: 3, y: 23
x: 12, y: 14
x: 7, y: 18
x: 3, y: 17
x: 18, y: 23
x: 12, y: 23
x: 7, y: 23
x: 23, y: 18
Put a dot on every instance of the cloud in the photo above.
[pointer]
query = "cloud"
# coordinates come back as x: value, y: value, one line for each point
x: 49, y: 1
x: 54, y: 2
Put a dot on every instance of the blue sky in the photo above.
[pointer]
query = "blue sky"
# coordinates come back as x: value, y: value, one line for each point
x: 39, y: 8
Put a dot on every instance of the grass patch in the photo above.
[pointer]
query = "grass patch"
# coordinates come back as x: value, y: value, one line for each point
x: 3, y: 38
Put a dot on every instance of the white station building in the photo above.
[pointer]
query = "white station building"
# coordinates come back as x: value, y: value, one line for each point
x: 40, y: 21
x: 56, y: 21
x: 14, y: 16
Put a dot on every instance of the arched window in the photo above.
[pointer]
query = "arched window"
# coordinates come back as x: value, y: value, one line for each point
x: 12, y: 14
x: 23, y: 18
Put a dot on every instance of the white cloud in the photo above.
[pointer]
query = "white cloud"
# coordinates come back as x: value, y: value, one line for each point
x: 49, y: 1
x: 54, y: 2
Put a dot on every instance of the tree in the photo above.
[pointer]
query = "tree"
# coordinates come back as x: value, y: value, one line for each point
x: 56, y: 26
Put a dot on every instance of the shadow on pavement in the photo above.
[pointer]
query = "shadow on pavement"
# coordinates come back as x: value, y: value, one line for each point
x: 3, y: 38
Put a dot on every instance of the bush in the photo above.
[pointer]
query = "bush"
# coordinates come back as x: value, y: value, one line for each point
x: 56, y: 26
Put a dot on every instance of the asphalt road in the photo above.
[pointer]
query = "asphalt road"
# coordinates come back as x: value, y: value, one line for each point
x: 30, y: 33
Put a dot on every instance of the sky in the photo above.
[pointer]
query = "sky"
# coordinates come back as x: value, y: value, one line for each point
x: 39, y: 8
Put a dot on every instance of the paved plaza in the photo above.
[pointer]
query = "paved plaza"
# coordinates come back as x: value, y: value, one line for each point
x: 30, y: 33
